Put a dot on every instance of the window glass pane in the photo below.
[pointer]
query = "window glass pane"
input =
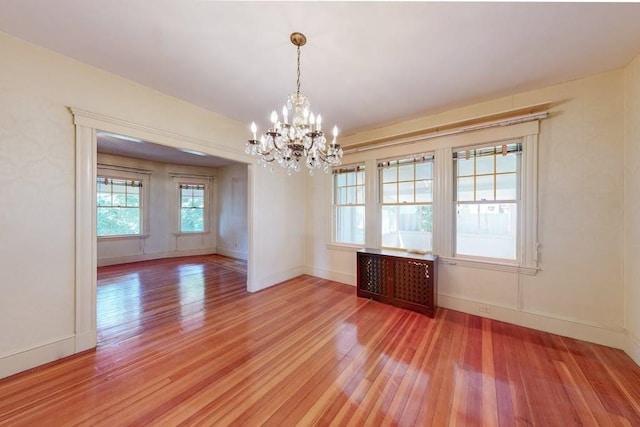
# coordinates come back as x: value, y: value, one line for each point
x: 360, y: 178
x: 342, y: 196
x: 191, y: 220
x: 360, y: 195
x: 389, y: 193
x: 506, y: 163
x: 350, y: 225
x: 406, y: 192
x: 390, y: 174
x: 484, y: 164
x: 486, y: 230
x: 484, y: 187
x: 133, y: 190
x: 465, y: 167
x: 198, y: 202
x: 407, y: 226
x: 103, y: 199
x: 424, y: 191
x: 133, y: 200
x: 506, y: 187
x: 465, y: 189
x: 424, y: 170
x: 351, y: 195
x: 102, y: 188
x: 342, y: 179
x: 186, y: 202
x: 119, y: 199
x: 405, y: 172
x: 113, y: 221
x: 351, y: 178
x: 197, y: 192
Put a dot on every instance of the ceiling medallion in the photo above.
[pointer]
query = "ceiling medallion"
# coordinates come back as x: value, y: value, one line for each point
x: 298, y: 136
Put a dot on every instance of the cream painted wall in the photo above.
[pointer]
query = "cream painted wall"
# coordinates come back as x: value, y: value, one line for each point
x: 37, y: 187
x: 579, y: 290
x: 277, y: 226
x: 232, y: 211
x: 632, y: 209
x: 163, y: 240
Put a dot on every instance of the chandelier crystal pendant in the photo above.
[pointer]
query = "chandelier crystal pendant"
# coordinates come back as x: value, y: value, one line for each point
x: 299, y: 135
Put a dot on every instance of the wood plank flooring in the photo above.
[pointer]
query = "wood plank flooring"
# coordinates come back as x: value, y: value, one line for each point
x: 182, y: 343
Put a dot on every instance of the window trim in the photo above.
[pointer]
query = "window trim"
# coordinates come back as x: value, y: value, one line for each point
x: 519, y: 149
x: 333, y: 243
x: 191, y: 180
x: 141, y: 175
x: 442, y: 146
x: 423, y: 157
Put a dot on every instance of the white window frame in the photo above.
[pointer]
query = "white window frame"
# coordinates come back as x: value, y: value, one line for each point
x: 397, y: 162
x: 128, y: 174
x: 443, y: 199
x: 516, y: 200
x: 335, y: 205
x: 187, y: 180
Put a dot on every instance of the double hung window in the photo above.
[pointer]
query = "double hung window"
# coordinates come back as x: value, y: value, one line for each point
x: 192, y: 208
x: 349, y: 205
x: 486, y: 200
x: 119, y: 203
x: 406, y: 199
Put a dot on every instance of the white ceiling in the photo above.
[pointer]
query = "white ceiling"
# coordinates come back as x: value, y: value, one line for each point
x: 113, y: 144
x: 365, y: 63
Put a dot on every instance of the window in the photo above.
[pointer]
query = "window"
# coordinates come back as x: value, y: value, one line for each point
x: 406, y: 194
x: 348, y: 205
x: 486, y: 197
x: 192, y: 208
x: 118, y: 206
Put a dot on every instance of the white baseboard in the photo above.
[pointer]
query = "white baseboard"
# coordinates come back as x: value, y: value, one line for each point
x: 36, y: 356
x: 232, y: 253
x: 632, y: 346
x: 330, y: 275
x: 158, y: 255
x: 278, y: 277
x: 86, y: 341
x: 540, y: 321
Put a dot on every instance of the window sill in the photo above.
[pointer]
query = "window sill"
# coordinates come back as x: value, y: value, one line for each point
x: 488, y: 265
x: 128, y: 237
x: 195, y: 233
x: 344, y: 248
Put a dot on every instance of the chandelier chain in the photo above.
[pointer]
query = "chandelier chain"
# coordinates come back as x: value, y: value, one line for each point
x: 298, y: 87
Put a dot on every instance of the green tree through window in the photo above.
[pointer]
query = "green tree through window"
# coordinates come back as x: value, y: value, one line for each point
x: 192, y: 208
x: 118, y: 206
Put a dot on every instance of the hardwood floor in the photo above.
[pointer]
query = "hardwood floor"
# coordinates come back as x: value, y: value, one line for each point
x: 182, y: 342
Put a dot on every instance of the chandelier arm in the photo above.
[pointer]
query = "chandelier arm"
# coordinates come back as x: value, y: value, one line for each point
x: 286, y: 146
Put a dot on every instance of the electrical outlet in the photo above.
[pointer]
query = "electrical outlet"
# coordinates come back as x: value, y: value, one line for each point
x: 484, y: 309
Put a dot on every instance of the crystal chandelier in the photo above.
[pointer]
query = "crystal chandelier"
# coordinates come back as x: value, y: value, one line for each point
x: 298, y: 135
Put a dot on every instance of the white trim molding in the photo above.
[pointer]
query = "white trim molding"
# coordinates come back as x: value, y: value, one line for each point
x: 150, y: 256
x: 47, y: 352
x: 119, y: 126
x: 86, y: 240
x: 632, y: 346
x: 573, y: 328
x: 334, y: 276
x: 87, y: 124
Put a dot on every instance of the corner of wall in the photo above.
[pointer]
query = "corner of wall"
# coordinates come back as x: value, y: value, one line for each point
x: 632, y: 346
